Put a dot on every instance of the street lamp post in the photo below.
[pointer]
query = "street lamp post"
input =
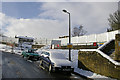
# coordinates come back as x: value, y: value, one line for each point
x: 69, y: 34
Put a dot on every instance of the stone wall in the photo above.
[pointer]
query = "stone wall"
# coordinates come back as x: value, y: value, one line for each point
x: 93, y: 61
x: 117, y: 47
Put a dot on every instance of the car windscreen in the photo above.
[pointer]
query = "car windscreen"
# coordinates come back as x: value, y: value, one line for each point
x: 31, y: 51
x: 58, y: 56
x: 46, y: 53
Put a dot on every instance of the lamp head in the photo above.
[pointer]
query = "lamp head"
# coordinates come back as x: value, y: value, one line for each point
x: 64, y: 11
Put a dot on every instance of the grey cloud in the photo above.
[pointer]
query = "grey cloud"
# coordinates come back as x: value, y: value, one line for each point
x: 53, y: 23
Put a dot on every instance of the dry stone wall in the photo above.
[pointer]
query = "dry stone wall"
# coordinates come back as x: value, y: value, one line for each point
x: 93, y: 61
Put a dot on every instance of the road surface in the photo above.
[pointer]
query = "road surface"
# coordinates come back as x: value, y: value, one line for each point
x: 14, y: 66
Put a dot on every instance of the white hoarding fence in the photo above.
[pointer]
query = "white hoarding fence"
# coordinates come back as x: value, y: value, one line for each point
x: 90, y: 39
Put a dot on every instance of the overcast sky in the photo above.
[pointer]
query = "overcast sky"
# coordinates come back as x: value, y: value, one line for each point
x: 46, y: 19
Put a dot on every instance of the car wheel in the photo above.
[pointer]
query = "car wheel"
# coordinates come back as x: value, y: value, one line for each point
x: 50, y: 68
x: 25, y: 57
x: 37, y: 59
x: 28, y: 57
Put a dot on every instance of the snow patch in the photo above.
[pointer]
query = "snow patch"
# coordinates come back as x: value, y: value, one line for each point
x: 88, y: 74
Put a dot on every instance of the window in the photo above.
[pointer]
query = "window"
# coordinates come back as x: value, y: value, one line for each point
x: 45, y: 53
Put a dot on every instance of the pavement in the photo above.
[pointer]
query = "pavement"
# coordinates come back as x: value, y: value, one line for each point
x: 14, y: 66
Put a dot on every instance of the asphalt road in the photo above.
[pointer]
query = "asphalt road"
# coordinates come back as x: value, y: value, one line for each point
x: 14, y: 66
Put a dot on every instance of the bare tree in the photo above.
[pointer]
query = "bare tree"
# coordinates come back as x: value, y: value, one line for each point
x: 78, y: 31
x: 114, y: 21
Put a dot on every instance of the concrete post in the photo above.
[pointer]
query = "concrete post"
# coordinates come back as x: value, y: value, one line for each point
x: 117, y: 47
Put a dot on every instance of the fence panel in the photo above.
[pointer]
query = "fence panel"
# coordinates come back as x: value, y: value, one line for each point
x: 103, y: 37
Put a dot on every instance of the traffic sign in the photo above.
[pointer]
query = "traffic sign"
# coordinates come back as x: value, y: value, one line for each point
x: 94, y: 44
x: 69, y: 45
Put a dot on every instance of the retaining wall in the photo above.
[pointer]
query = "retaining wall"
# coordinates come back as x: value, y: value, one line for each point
x: 93, y: 61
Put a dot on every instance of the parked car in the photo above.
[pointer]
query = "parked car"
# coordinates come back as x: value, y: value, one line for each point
x: 30, y: 54
x: 9, y: 49
x: 55, y: 62
x: 2, y: 47
x: 39, y: 51
x: 18, y: 51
